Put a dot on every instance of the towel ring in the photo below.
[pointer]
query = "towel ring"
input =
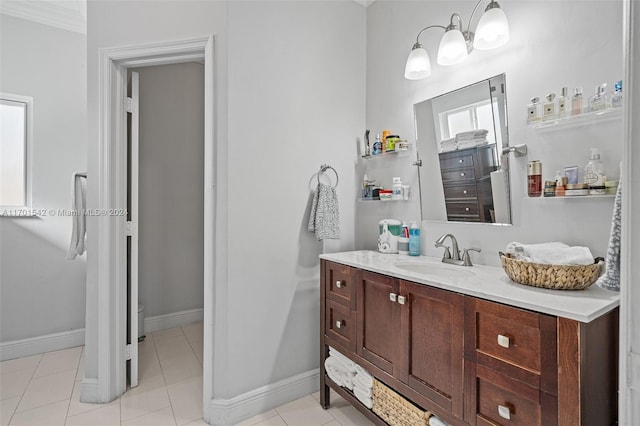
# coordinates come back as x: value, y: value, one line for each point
x: 323, y: 168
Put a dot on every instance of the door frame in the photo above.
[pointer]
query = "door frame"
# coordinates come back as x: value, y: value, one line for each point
x: 111, y: 186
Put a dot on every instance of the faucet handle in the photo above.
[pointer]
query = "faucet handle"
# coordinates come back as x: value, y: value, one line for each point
x: 466, y: 259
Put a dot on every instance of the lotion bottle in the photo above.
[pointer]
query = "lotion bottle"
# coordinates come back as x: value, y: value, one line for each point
x: 594, y: 174
x: 414, y: 239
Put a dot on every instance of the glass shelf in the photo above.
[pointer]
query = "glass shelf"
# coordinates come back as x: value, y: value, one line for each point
x: 573, y: 197
x: 573, y: 120
x: 362, y: 200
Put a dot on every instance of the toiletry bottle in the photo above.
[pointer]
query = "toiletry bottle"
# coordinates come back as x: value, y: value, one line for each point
x: 377, y: 146
x: 577, y: 102
x: 549, y: 111
x: 534, y: 111
x: 616, y: 98
x: 560, y: 184
x: 403, y: 239
x: 563, y: 103
x: 594, y: 175
x: 598, y: 102
x: 385, y: 134
x: 534, y: 178
x: 397, y: 189
x: 414, y: 239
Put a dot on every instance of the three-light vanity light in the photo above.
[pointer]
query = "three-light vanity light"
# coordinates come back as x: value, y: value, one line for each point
x: 456, y: 44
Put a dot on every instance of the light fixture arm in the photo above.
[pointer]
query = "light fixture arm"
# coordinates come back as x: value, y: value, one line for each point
x: 452, y: 25
x: 474, y: 12
x: 423, y: 30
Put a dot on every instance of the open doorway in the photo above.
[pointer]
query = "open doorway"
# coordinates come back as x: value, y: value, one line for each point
x: 166, y: 205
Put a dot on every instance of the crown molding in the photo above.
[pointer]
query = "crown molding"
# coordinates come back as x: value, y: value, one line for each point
x: 70, y: 15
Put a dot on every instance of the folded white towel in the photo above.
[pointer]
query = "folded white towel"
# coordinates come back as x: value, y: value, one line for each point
x: 367, y: 391
x: 362, y: 397
x: 347, y: 364
x: 472, y: 133
x: 363, y: 376
x: 78, y: 206
x: 435, y: 421
x: 336, y: 372
x: 555, y: 253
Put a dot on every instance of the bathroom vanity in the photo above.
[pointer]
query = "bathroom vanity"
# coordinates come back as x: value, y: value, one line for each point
x: 468, y: 344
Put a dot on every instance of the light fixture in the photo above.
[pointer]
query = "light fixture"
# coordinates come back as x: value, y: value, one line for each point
x: 455, y: 45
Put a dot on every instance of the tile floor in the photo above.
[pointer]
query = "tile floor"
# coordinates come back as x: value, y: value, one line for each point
x: 44, y: 390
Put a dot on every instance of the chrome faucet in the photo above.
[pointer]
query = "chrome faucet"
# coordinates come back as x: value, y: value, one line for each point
x: 454, y: 258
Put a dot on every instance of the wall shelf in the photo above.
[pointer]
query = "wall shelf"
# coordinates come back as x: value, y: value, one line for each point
x: 574, y: 197
x: 577, y: 120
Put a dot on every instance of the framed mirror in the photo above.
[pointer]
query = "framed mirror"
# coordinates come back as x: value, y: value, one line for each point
x: 460, y: 137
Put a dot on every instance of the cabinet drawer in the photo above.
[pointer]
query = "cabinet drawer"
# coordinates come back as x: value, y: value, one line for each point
x: 504, y: 401
x: 466, y: 209
x: 460, y: 192
x: 456, y: 161
x: 461, y: 175
x: 509, y: 335
x: 340, y: 284
x: 340, y: 325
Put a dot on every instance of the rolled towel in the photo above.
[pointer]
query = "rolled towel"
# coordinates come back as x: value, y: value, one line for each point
x: 555, y: 253
x: 362, y: 397
x: 435, y: 421
x: 349, y: 365
x: 336, y: 372
x: 363, y: 390
x: 363, y: 376
x: 361, y: 382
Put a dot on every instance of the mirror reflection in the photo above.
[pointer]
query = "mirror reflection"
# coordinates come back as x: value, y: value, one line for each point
x: 460, y: 137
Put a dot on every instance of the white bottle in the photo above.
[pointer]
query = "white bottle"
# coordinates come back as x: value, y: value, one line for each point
x: 397, y: 189
x: 594, y: 175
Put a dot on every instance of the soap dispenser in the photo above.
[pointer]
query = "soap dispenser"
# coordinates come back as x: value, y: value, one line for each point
x: 594, y: 175
x: 414, y: 239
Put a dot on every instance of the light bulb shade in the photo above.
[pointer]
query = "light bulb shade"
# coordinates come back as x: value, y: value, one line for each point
x: 492, y: 31
x: 453, y: 48
x: 418, y: 65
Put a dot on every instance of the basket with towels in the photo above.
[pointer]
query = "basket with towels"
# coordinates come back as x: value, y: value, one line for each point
x: 551, y: 265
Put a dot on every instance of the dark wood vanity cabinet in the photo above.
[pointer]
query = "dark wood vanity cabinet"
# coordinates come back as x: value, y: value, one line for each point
x: 466, y: 180
x: 468, y: 360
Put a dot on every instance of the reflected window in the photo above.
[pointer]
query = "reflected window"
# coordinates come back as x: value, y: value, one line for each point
x: 470, y: 117
x: 15, y: 134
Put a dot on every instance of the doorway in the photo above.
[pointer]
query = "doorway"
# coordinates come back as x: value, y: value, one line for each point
x: 110, y: 182
x: 165, y: 205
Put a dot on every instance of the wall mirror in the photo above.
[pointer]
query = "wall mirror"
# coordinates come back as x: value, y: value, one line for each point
x: 460, y: 137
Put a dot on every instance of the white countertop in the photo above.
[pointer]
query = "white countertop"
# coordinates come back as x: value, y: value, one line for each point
x: 485, y: 282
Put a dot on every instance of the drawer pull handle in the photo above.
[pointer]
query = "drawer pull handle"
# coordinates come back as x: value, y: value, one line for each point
x: 464, y: 192
x: 393, y: 297
x: 462, y: 174
x: 466, y: 209
x: 339, y: 284
x: 402, y: 300
x: 504, y: 412
x: 339, y: 324
x: 461, y: 161
x: 503, y: 341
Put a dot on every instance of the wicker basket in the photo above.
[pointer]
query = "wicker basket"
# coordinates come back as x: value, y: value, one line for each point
x: 557, y: 277
x: 395, y: 409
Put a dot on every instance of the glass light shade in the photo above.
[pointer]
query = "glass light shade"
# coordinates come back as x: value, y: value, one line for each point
x: 492, y: 31
x: 452, y: 49
x: 418, y: 65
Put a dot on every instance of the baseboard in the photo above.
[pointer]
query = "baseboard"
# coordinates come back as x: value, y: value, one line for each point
x: 176, y: 319
x: 41, y: 344
x: 89, y: 391
x: 225, y: 412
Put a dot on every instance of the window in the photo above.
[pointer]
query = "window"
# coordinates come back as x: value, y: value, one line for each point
x: 16, y: 122
x: 471, y: 117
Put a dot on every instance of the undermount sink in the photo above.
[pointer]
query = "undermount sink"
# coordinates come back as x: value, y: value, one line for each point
x: 442, y: 270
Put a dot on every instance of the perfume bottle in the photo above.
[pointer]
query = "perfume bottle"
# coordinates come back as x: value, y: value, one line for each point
x: 577, y: 106
x: 598, y: 102
x: 616, y: 98
x: 563, y: 102
x: 534, y: 111
x: 549, y: 111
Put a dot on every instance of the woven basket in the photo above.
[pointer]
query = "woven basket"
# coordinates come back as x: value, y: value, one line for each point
x: 395, y: 409
x: 556, y: 277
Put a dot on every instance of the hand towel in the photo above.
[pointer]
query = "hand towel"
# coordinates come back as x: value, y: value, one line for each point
x: 611, y: 277
x: 336, y: 372
x: 555, y: 253
x: 348, y: 365
x: 364, y: 390
x: 435, y: 421
x: 324, y: 219
x: 363, y: 376
x: 362, y: 397
x: 78, y: 206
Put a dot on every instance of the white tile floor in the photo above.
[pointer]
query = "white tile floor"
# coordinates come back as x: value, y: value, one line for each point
x: 44, y: 390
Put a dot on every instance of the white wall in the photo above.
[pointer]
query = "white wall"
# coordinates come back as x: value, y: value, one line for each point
x: 289, y: 96
x: 171, y: 188
x: 552, y: 44
x: 41, y: 292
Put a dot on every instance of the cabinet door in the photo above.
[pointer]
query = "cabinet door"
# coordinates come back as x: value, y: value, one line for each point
x: 378, y: 320
x: 432, y: 341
